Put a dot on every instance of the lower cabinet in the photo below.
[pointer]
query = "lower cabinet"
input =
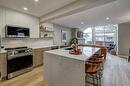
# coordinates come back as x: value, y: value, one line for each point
x: 38, y: 56
x: 3, y: 65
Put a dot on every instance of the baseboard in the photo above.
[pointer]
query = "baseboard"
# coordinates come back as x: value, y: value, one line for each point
x: 123, y: 56
x: 4, y: 78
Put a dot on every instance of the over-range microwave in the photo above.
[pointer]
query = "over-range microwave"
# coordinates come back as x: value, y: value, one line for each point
x: 15, y: 31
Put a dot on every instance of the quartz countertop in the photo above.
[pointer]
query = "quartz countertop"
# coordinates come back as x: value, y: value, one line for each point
x: 3, y: 51
x: 46, y: 46
x: 33, y: 47
x: 87, y: 52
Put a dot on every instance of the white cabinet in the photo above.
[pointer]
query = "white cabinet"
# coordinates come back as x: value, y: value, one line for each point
x: 24, y: 20
x: 2, y: 22
x: 34, y: 30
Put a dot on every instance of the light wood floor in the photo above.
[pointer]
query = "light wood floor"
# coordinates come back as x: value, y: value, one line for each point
x: 33, y: 78
x: 116, y: 73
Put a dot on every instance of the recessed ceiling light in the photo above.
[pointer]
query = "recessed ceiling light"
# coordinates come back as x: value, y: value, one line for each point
x: 36, y: 0
x: 82, y: 22
x: 25, y: 8
x: 107, y: 18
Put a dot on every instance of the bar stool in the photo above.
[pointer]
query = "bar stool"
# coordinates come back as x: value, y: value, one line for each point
x: 99, y: 62
x: 93, y: 72
x: 94, y: 69
x: 98, y: 59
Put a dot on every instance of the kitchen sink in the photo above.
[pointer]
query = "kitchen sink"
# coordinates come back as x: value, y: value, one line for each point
x: 68, y: 48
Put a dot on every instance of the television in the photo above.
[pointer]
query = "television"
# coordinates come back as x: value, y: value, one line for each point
x: 80, y: 34
x: 15, y: 31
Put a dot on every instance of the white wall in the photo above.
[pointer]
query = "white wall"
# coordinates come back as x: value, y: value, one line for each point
x: 124, y: 38
x: 57, y: 38
x: 37, y: 42
x: 11, y: 17
x: 2, y: 20
x: 33, y: 42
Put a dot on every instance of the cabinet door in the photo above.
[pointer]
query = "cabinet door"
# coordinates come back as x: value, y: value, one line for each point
x: 34, y: 31
x: 3, y: 65
x: 40, y: 60
x: 37, y: 57
x: 2, y: 22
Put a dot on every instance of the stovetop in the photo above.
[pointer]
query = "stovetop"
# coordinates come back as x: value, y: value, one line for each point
x: 18, y: 52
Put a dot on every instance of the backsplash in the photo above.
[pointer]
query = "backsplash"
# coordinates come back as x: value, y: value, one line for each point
x: 30, y: 42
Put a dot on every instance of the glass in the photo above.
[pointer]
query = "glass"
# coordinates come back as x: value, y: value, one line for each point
x: 101, y: 35
x: 88, y: 35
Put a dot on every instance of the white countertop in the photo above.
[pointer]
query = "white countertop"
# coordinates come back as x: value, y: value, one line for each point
x: 46, y: 46
x: 33, y: 47
x: 3, y: 51
x: 87, y: 52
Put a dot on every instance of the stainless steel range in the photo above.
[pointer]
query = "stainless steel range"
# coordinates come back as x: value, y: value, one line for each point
x: 19, y: 60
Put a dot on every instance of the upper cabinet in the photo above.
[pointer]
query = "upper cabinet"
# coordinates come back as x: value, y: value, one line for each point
x: 23, y: 20
x: 2, y: 22
x: 10, y: 17
x: 46, y: 30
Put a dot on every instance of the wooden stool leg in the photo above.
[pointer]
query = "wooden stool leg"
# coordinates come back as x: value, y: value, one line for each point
x: 129, y: 59
x: 93, y: 80
x: 0, y: 76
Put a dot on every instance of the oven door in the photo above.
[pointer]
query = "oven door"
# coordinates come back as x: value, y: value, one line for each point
x: 19, y: 65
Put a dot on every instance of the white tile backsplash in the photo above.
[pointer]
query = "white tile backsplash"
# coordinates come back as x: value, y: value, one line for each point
x: 18, y: 42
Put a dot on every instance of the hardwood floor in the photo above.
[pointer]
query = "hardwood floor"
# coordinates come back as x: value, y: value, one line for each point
x: 116, y: 73
x: 33, y: 78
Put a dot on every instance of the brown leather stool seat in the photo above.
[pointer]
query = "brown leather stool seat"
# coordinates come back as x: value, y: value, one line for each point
x: 93, y: 72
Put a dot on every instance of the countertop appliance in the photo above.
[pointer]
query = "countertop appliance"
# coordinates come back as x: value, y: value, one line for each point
x: 19, y: 60
x: 15, y: 31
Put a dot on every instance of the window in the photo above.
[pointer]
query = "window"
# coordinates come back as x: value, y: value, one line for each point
x: 88, y: 36
x: 101, y: 35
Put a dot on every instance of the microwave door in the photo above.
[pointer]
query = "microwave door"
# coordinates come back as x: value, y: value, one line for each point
x: 12, y: 31
x: 20, y: 33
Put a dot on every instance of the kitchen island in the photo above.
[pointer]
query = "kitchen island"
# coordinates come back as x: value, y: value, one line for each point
x: 64, y: 69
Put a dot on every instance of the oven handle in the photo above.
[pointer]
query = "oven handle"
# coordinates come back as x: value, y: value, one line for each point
x: 17, y: 56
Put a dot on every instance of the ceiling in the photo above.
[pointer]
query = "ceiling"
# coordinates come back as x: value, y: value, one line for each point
x: 118, y: 12
x: 73, y: 8
x: 71, y: 13
x: 35, y: 8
